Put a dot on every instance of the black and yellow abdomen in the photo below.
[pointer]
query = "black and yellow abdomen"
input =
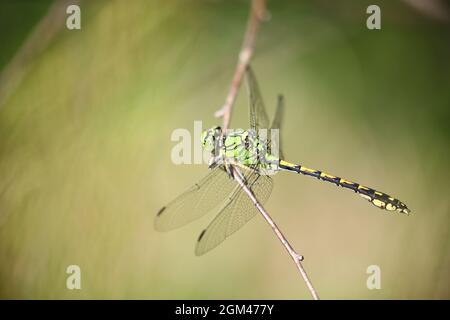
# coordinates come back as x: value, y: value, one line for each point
x: 377, y: 198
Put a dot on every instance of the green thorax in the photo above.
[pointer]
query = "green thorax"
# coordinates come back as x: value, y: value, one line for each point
x: 248, y: 149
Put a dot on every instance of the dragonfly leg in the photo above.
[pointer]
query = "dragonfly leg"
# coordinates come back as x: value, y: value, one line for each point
x: 211, y: 163
x: 214, y: 162
x: 229, y: 170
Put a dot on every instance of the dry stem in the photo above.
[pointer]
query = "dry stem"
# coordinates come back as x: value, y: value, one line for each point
x: 256, y: 15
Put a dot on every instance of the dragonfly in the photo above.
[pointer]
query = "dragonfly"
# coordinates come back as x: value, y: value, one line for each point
x: 257, y: 156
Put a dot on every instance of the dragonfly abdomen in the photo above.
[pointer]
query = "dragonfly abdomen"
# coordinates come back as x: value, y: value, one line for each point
x: 377, y: 198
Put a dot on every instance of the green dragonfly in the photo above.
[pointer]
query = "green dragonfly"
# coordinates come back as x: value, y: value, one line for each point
x: 257, y: 156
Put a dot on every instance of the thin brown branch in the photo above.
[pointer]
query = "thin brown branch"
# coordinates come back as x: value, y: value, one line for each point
x: 294, y: 255
x: 256, y: 15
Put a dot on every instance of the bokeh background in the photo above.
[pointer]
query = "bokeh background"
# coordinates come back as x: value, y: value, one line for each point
x: 86, y: 118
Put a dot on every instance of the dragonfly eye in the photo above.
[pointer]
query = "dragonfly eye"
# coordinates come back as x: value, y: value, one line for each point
x: 209, y: 138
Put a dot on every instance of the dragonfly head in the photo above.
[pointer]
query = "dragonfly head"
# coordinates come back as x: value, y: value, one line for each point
x: 210, y: 138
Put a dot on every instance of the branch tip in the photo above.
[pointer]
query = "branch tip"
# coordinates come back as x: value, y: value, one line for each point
x: 219, y: 113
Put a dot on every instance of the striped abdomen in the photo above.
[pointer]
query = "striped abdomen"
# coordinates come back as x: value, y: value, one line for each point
x: 377, y: 198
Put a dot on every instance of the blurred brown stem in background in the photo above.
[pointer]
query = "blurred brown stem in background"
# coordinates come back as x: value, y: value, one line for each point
x: 258, y: 11
x: 35, y: 43
x: 437, y: 9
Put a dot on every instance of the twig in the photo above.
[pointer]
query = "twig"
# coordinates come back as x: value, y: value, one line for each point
x: 294, y: 255
x: 256, y: 15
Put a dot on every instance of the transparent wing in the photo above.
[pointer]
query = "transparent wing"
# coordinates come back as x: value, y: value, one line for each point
x: 258, y: 114
x: 195, y: 202
x: 236, y: 211
x: 275, y: 144
x: 279, y: 112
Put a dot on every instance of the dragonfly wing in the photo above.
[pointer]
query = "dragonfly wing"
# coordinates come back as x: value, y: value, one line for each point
x: 195, y: 202
x: 258, y: 114
x: 236, y: 211
x: 275, y: 144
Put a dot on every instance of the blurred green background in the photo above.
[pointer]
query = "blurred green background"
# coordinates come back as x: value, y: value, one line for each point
x: 85, y: 123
